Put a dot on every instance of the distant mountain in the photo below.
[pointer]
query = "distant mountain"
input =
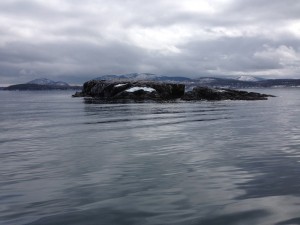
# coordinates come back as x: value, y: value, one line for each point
x: 131, y: 76
x: 42, y: 84
x: 248, y: 78
x: 143, y: 76
x: 241, y: 83
x: 221, y: 82
x: 44, y: 81
x: 202, y: 81
x: 173, y: 79
x: 244, y: 81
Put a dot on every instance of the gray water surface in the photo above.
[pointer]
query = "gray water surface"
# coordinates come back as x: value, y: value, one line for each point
x: 66, y: 162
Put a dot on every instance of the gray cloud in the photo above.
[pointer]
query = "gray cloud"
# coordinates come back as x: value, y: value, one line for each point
x: 76, y: 40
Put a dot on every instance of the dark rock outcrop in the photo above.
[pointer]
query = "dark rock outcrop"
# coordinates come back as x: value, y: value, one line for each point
x: 140, y: 90
x: 113, y: 91
x: 211, y: 94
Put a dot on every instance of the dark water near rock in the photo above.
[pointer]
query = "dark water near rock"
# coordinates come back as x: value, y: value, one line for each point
x: 66, y: 162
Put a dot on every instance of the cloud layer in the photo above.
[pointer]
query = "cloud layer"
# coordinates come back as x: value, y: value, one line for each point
x: 76, y: 40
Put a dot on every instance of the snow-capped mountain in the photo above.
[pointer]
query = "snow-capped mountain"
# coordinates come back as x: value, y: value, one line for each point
x: 42, y: 84
x: 244, y: 81
x: 131, y: 76
x: 247, y: 78
x: 44, y: 81
x: 143, y: 76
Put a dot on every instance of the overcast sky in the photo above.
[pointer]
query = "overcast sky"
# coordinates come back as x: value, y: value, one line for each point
x: 75, y: 40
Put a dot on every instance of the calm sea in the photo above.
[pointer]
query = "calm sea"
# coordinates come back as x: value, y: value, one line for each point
x: 66, y: 162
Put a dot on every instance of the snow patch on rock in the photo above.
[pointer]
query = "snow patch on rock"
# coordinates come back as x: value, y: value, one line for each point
x: 133, y: 89
x: 119, y: 85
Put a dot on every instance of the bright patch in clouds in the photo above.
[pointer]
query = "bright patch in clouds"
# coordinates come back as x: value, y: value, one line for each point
x: 202, y: 6
x: 285, y: 55
x: 197, y: 6
x: 294, y: 28
x: 160, y: 39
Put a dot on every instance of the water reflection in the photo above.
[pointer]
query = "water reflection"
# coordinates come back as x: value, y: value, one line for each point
x: 176, y: 163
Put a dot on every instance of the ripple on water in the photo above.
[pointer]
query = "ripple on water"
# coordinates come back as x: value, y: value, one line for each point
x: 66, y: 162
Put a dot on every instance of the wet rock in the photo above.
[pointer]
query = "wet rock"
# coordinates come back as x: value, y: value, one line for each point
x: 118, y: 91
x: 212, y: 94
x: 141, y: 90
x: 78, y: 94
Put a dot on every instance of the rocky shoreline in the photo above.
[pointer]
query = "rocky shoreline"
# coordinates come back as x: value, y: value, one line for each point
x: 118, y: 91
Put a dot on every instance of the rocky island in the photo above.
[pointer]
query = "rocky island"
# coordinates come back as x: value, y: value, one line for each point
x: 116, y: 91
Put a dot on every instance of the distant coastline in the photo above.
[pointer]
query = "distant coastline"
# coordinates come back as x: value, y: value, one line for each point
x: 42, y: 84
x: 236, y: 82
x: 38, y: 87
x: 241, y: 82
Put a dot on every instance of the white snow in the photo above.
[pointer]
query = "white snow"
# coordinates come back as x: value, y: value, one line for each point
x: 246, y: 78
x: 220, y: 90
x: 133, y: 89
x: 119, y: 85
x: 42, y: 81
